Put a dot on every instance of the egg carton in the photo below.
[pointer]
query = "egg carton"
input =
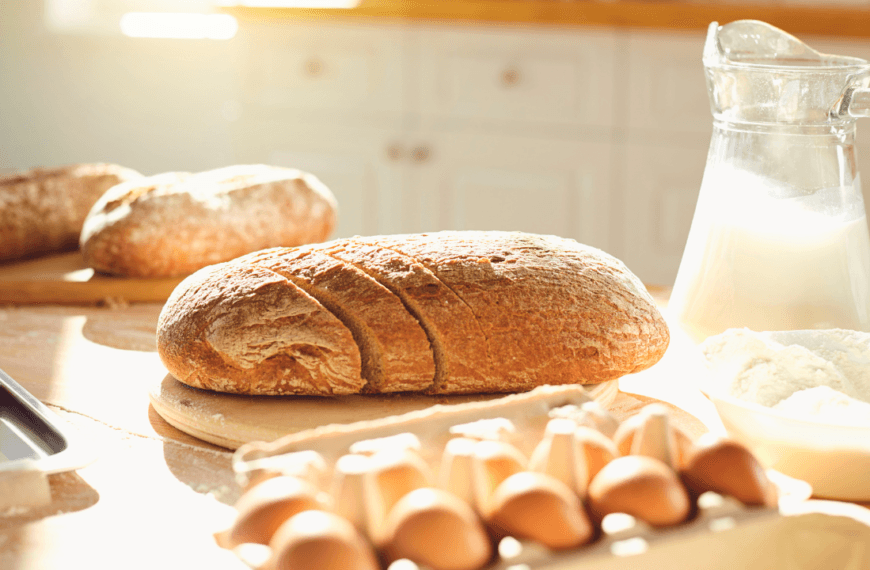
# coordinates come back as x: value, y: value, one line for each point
x: 541, y: 480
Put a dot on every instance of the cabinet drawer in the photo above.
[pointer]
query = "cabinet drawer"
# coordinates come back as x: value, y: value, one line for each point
x: 308, y: 66
x: 516, y: 76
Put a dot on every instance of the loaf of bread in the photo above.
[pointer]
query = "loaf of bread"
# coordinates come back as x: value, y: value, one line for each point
x: 444, y: 313
x: 42, y: 210
x: 173, y: 224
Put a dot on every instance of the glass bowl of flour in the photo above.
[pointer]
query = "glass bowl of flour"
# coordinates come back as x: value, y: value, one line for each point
x: 800, y: 400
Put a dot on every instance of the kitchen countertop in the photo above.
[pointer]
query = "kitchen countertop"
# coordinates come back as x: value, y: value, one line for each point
x: 822, y: 19
x: 154, y: 495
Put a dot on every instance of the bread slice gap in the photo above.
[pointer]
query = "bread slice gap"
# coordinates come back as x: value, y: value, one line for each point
x: 395, y: 353
x: 248, y: 330
x: 457, y: 340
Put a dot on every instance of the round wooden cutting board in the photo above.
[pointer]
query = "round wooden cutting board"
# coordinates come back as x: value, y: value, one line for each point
x: 231, y: 420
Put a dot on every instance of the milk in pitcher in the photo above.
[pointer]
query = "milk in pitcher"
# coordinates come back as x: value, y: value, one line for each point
x: 773, y: 264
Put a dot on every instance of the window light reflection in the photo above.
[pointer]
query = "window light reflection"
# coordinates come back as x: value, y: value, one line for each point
x: 179, y: 25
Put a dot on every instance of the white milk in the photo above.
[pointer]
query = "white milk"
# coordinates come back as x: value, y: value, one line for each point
x: 773, y: 264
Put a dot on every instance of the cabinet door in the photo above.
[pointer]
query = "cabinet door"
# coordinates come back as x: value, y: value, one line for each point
x: 666, y: 88
x: 489, y: 182
x: 552, y: 77
x: 660, y: 186
x: 353, y: 70
x: 358, y: 165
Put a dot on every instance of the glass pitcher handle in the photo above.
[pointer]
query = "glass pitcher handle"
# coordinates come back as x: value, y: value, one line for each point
x: 859, y: 106
x: 855, y: 102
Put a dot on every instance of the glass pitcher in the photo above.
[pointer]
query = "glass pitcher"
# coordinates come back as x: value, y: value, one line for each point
x: 779, y: 239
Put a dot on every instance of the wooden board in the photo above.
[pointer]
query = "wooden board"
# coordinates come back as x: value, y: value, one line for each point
x: 65, y: 278
x: 231, y: 420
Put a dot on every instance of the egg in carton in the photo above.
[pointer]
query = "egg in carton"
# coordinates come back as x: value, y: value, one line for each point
x: 545, y: 479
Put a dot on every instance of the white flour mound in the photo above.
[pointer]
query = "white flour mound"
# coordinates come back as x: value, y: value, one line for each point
x: 827, y: 405
x: 820, y: 373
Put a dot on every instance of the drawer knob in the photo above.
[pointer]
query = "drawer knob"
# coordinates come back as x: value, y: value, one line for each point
x: 395, y: 152
x: 313, y: 67
x: 510, y: 77
x: 420, y: 154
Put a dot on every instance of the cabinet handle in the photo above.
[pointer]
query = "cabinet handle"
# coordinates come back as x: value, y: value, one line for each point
x: 420, y: 153
x: 395, y: 152
x: 313, y: 67
x: 510, y: 77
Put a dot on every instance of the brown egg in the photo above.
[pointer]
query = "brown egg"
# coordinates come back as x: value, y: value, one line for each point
x: 455, y: 474
x: 539, y: 507
x: 724, y: 466
x: 598, y: 449
x: 395, y: 474
x: 263, y: 508
x: 559, y: 456
x: 436, y: 529
x: 317, y: 540
x: 349, y: 488
x: 398, y: 473
x: 651, y: 433
x: 493, y: 462
x: 642, y: 487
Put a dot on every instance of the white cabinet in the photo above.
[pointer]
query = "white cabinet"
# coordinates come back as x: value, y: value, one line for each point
x: 667, y: 130
x: 429, y: 128
x: 665, y: 85
x: 596, y: 135
x: 497, y: 182
x: 394, y: 181
x: 354, y: 162
x: 660, y: 189
x: 349, y: 69
x: 526, y: 76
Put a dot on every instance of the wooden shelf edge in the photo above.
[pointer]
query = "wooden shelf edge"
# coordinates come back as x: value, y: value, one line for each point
x: 666, y: 15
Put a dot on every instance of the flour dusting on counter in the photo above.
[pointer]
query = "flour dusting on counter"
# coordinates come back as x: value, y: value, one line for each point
x: 819, y: 374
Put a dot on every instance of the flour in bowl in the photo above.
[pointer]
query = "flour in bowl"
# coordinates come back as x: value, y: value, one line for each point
x: 823, y: 374
x: 827, y: 405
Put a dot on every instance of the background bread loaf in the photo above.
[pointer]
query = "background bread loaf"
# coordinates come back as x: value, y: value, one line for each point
x: 42, y: 210
x: 527, y: 310
x: 173, y: 224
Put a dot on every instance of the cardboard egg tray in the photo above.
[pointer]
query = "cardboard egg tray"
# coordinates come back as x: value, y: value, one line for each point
x: 719, y: 533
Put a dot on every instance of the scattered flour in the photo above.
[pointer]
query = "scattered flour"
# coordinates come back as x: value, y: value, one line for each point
x: 823, y: 374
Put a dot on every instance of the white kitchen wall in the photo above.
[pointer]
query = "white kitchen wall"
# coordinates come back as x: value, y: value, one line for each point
x: 600, y: 135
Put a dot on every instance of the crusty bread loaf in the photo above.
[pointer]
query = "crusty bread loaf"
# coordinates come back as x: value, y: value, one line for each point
x: 458, y: 341
x: 42, y: 210
x: 395, y: 352
x: 173, y: 224
x: 262, y: 335
x: 529, y: 310
x: 570, y: 311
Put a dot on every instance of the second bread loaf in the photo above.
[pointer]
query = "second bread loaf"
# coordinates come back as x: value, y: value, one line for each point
x: 501, y: 311
x: 173, y: 224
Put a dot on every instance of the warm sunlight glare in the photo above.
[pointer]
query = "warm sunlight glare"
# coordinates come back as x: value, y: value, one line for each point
x: 299, y: 3
x: 178, y: 25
